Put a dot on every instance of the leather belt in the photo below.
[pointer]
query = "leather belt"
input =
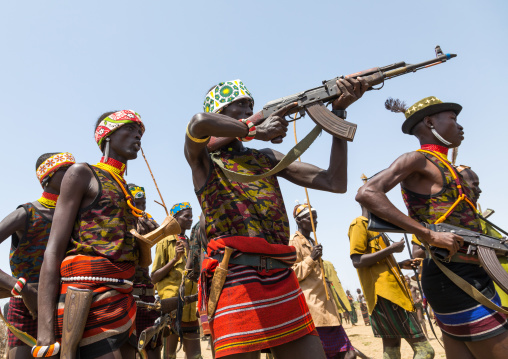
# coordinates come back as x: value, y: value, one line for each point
x: 143, y: 291
x: 256, y: 261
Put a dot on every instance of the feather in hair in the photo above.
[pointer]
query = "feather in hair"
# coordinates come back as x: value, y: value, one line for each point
x: 395, y: 105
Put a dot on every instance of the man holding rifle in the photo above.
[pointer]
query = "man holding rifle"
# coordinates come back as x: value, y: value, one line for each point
x: 435, y: 193
x: 261, y: 305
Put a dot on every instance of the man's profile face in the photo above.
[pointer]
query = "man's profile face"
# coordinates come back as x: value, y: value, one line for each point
x: 239, y: 109
x: 126, y: 141
x: 447, y: 126
x: 472, y: 179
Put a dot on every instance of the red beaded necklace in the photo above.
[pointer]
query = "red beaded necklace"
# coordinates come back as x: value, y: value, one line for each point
x: 48, y: 200
x: 436, y: 148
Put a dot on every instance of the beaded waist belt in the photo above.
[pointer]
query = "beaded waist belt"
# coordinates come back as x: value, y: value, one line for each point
x: 96, y: 279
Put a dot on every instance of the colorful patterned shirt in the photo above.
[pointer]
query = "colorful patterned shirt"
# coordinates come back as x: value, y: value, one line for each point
x: 102, y: 229
x: 254, y: 209
x: 428, y: 208
x: 27, y: 253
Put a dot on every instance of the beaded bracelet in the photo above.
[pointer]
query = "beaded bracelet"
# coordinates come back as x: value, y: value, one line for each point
x: 45, y: 351
x: 194, y: 139
x: 252, y: 131
x: 18, y: 287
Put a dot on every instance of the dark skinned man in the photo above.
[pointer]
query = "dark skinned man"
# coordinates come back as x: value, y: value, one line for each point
x: 389, y: 301
x: 91, y: 247
x: 434, y: 192
x: 143, y: 287
x: 324, y: 311
x: 29, y: 225
x: 171, y: 257
x: 251, y: 218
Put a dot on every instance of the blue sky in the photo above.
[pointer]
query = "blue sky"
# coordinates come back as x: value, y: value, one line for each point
x: 65, y: 63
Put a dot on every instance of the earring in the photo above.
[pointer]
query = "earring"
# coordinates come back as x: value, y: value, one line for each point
x: 106, y: 150
x: 438, y: 136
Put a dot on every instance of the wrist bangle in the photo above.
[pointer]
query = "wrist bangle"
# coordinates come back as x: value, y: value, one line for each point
x: 44, y: 351
x: 18, y: 287
x: 194, y: 139
x: 252, y: 131
x: 340, y: 113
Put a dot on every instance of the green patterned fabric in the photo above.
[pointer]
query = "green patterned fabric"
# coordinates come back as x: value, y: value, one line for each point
x: 225, y: 93
x: 102, y: 229
x: 253, y: 209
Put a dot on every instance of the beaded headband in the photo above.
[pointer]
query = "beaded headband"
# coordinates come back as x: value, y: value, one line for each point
x: 137, y: 191
x: 52, y: 164
x: 114, y: 121
x: 225, y: 93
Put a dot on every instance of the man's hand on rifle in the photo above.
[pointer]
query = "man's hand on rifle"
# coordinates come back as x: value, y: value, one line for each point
x: 29, y: 295
x: 410, y: 263
x: 450, y: 241
x: 274, y: 128
x: 351, y: 90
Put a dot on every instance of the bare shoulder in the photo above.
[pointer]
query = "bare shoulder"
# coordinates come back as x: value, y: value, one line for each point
x: 79, y: 172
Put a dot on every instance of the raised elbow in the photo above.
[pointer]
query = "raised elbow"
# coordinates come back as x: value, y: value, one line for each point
x: 339, y: 187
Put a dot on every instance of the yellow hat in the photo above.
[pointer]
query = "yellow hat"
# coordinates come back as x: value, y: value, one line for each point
x: 427, y: 107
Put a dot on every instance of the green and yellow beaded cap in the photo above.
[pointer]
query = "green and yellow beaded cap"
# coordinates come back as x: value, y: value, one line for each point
x: 427, y: 107
x: 225, y: 93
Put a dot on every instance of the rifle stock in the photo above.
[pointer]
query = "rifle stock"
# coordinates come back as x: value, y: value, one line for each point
x: 77, y: 306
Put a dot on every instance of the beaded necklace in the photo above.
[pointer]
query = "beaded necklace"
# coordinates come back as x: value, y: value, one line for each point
x: 436, y: 148
x: 48, y: 200
x: 112, y: 165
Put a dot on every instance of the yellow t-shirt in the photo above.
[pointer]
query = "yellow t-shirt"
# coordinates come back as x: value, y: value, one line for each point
x: 169, y: 285
x: 379, y: 279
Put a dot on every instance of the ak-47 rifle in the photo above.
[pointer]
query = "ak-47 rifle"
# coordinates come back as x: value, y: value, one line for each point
x: 152, y: 332
x: 485, y: 247
x: 313, y: 101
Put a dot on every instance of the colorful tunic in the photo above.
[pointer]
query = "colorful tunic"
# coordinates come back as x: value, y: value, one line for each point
x: 27, y: 252
x: 26, y: 260
x: 102, y: 229
x: 458, y: 315
x: 110, y: 322
x: 256, y: 309
x: 254, y: 209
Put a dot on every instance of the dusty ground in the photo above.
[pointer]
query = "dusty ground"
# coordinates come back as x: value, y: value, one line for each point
x: 362, y: 338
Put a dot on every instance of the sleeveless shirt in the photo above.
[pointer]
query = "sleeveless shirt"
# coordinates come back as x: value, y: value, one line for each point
x: 27, y: 253
x: 102, y: 229
x: 254, y: 209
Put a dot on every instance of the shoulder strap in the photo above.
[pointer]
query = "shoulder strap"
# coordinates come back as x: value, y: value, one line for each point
x: 291, y: 156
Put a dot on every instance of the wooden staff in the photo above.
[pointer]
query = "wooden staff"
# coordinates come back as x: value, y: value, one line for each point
x: 312, y: 221
x: 154, y: 181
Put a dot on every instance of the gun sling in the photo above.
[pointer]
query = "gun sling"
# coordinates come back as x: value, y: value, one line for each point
x: 253, y: 260
x: 291, y: 156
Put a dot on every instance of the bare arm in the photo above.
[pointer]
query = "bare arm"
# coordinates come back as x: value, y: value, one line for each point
x: 217, y: 125
x: 13, y: 223
x: 369, y: 259
x: 75, y: 187
x: 373, y: 197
